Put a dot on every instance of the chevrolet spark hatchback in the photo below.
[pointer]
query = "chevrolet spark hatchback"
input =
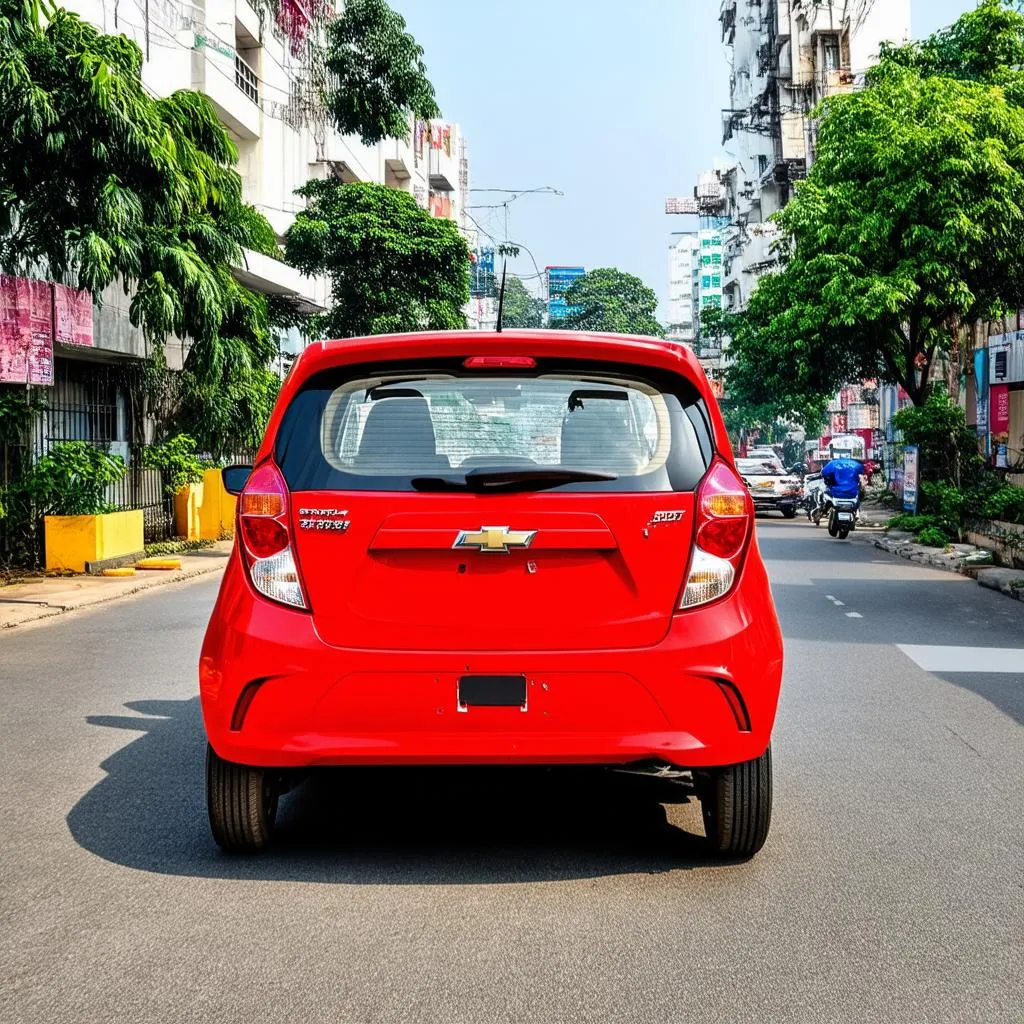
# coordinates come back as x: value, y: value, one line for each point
x: 516, y: 548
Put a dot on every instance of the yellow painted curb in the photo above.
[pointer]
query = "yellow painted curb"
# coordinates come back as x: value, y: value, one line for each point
x: 125, y: 571
x: 159, y: 563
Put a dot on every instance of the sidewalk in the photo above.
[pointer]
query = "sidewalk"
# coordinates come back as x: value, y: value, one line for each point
x: 46, y: 596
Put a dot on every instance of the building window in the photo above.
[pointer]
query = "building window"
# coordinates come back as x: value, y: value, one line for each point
x: 830, y: 53
x: 705, y: 281
x: 762, y: 164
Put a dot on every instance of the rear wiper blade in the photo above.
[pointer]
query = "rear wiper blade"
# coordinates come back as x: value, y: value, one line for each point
x: 496, y: 480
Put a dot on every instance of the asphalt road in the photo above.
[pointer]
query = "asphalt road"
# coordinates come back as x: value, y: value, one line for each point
x: 891, y: 887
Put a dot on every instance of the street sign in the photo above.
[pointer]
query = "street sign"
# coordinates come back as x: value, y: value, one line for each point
x: 911, y: 456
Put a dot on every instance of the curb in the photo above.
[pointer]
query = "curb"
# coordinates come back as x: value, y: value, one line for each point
x: 148, y: 582
x: 965, y: 560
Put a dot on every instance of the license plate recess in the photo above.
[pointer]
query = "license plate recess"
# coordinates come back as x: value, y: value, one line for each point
x: 492, y: 692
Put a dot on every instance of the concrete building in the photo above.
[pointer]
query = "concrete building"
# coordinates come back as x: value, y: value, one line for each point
x: 786, y: 56
x: 683, y: 285
x: 257, y: 63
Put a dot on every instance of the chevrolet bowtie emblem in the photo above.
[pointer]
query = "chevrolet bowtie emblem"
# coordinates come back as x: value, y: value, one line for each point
x: 495, y: 538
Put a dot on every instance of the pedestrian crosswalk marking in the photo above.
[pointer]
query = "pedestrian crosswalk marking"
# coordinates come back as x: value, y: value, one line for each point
x: 966, y: 659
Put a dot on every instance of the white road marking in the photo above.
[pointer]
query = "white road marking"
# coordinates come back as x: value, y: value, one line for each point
x: 854, y: 615
x: 966, y: 659
x: 834, y: 600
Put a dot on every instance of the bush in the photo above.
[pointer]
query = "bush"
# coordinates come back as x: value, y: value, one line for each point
x: 177, y: 461
x: 933, y: 537
x: 1006, y: 504
x: 947, y: 504
x: 948, y: 447
x: 72, y: 480
x: 911, y: 523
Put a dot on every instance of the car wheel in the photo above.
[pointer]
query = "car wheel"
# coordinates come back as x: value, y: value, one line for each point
x: 242, y: 804
x: 789, y: 513
x: 737, y: 806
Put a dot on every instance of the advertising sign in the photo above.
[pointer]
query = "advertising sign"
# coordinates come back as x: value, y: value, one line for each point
x: 560, y: 280
x: 910, y: 477
x: 26, y: 331
x: 981, y: 391
x: 1000, y: 420
x: 681, y: 205
x: 72, y: 316
x: 481, y: 276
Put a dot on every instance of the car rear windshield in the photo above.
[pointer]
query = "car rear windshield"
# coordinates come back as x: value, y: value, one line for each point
x: 758, y: 467
x: 402, y: 429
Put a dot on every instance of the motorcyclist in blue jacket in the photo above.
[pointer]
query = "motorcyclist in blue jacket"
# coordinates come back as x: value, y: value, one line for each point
x: 842, y: 477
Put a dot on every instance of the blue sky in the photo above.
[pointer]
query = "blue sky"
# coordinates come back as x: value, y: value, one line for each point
x: 616, y: 110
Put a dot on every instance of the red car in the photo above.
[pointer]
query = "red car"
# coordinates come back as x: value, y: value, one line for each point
x: 493, y: 548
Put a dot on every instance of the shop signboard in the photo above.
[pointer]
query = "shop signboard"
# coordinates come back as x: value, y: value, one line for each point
x: 910, y: 476
x: 1000, y: 418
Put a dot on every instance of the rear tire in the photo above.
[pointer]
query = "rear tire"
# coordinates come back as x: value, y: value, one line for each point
x: 789, y: 513
x: 242, y: 804
x: 844, y: 532
x: 737, y: 806
x: 832, y: 528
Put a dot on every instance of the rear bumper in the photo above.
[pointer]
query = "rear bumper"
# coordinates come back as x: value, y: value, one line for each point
x: 313, y: 704
x: 773, y: 503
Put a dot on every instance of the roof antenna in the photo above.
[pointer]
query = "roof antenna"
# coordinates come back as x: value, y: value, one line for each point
x: 501, y: 293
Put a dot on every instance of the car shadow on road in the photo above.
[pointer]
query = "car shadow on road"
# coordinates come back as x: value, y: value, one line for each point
x: 382, y: 826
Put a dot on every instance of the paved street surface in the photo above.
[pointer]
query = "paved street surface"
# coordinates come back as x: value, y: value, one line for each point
x: 891, y: 887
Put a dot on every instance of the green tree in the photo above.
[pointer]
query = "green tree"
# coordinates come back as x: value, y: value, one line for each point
x: 380, y: 80
x: 99, y: 183
x: 520, y: 308
x: 393, y: 267
x: 612, y: 301
x: 910, y: 223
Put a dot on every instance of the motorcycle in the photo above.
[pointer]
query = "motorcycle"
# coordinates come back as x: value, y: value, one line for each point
x: 842, y: 516
x: 813, y: 495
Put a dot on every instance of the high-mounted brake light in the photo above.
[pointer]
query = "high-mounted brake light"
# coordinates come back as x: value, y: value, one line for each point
x: 724, y: 521
x: 266, y: 542
x: 500, y: 363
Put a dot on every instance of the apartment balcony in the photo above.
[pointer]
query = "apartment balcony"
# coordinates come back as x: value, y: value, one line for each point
x: 443, y: 161
x: 348, y: 159
x: 399, y: 162
x: 834, y: 83
x: 231, y: 85
x: 758, y: 252
x: 273, y: 277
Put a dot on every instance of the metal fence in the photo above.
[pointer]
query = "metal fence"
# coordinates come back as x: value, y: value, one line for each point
x: 88, y: 402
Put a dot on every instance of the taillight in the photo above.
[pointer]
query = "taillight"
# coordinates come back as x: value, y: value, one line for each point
x: 724, y: 521
x: 265, y: 538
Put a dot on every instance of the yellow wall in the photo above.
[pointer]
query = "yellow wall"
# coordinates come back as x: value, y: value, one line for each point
x: 187, y: 518
x: 71, y: 541
x: 217, y: 512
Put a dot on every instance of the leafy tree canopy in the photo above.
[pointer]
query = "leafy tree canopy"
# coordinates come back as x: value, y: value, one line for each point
x: 380, y: 77
x: 520, y: 308
x: 100, y: 182
x: 612, y: 301
x: 393, y: 267
x: 909, y: 224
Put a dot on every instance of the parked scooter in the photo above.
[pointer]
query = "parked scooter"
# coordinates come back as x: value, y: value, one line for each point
x: 813, y: 496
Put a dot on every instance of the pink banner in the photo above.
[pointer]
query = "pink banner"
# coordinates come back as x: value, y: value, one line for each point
x: 999, y: 395
x: 72, y: 316
x: 26, y: 331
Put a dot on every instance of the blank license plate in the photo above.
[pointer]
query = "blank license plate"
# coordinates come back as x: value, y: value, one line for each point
x: 845, y: 517
x: 492, y: 691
